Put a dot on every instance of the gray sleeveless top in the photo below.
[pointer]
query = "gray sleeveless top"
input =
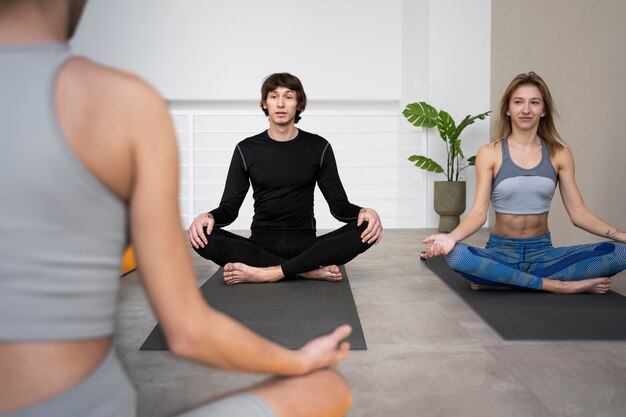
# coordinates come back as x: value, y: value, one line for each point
x: 62, y: 232
x: 518, y: 190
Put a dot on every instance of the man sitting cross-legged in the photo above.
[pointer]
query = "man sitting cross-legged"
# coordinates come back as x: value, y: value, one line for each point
x: 283, y: 164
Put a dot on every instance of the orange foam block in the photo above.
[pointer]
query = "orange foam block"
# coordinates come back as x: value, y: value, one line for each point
x: 128, y: 261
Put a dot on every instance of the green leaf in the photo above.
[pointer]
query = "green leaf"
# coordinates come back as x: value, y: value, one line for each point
x: 445, y: 124
x: 471, y: 161
x: 457, y: 149
x: 466, y: 122
x: 421, y: 114
x: 426, y: 163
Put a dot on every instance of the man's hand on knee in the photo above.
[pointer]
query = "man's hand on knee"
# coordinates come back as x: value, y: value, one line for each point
x: 374, y: 231
x: 197, y: 238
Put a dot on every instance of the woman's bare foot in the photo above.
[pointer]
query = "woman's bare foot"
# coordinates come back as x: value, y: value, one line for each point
x: 237, y: 272
x: 479, y: 287
x: 327, y: 273
x: 592, y: 285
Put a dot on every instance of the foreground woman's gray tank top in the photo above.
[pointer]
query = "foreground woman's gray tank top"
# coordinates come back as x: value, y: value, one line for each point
x: 62, y: 232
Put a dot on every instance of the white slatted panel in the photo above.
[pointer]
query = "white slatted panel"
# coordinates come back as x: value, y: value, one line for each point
x: 371, y: 147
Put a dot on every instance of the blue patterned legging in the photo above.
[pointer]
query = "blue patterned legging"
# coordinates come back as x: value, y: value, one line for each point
x: 523, y: 263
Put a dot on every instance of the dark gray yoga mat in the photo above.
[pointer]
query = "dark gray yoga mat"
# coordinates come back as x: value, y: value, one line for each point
x: 289, y: 312
x: 533, y: 315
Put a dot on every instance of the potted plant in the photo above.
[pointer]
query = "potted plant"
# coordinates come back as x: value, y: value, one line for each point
x: 449, y: 195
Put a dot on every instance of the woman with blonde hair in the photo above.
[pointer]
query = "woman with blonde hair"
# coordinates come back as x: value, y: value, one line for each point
x: 518, y: 173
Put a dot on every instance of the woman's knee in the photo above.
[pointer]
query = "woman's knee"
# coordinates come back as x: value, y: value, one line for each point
x: 620, y: 249
x: 620, y: 255
x: 299, y: 396
x: 614, y: 252
x: 455, y: 258
x: 345, y: 390
x: 340, y: 388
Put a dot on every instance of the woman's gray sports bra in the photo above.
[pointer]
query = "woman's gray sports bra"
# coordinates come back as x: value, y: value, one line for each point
x: 62, y: 232
x: 518, y: 190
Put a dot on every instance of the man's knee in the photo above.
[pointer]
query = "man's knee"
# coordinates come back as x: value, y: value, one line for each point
x: 363, y: 225
x: 208, y: 248
x: 361, y: 229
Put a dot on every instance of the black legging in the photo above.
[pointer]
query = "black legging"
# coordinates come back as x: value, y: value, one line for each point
x: 294, y: 253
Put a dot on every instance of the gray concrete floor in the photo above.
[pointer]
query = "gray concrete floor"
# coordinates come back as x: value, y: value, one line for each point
x: 428, y: 353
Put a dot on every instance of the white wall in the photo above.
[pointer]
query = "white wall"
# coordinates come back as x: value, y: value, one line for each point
x: 361, y: 62
x: 221, y: 50
x: 459, y: 78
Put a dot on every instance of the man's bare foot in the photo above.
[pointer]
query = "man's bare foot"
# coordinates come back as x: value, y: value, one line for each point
x: 327, y: 273
x: 237, y: 272
x: 480, y: 287
x: 592, y: 285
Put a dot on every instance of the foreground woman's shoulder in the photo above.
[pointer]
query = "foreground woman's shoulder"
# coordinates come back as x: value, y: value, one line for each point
x: 103, y: 85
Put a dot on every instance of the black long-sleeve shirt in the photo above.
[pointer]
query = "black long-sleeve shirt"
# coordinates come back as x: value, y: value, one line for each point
x: 283, y: 177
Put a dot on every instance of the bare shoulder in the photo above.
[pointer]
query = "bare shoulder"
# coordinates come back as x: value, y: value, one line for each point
x: 110, y: 97
x: 488, y: 153
x: 111, y: 119
x: 564, y: 152
x: 105, y: 86
x: 563, y: 158
x: 93, y: 75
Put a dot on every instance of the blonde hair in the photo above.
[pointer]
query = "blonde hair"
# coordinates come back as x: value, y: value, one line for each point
x: 547, y: 129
